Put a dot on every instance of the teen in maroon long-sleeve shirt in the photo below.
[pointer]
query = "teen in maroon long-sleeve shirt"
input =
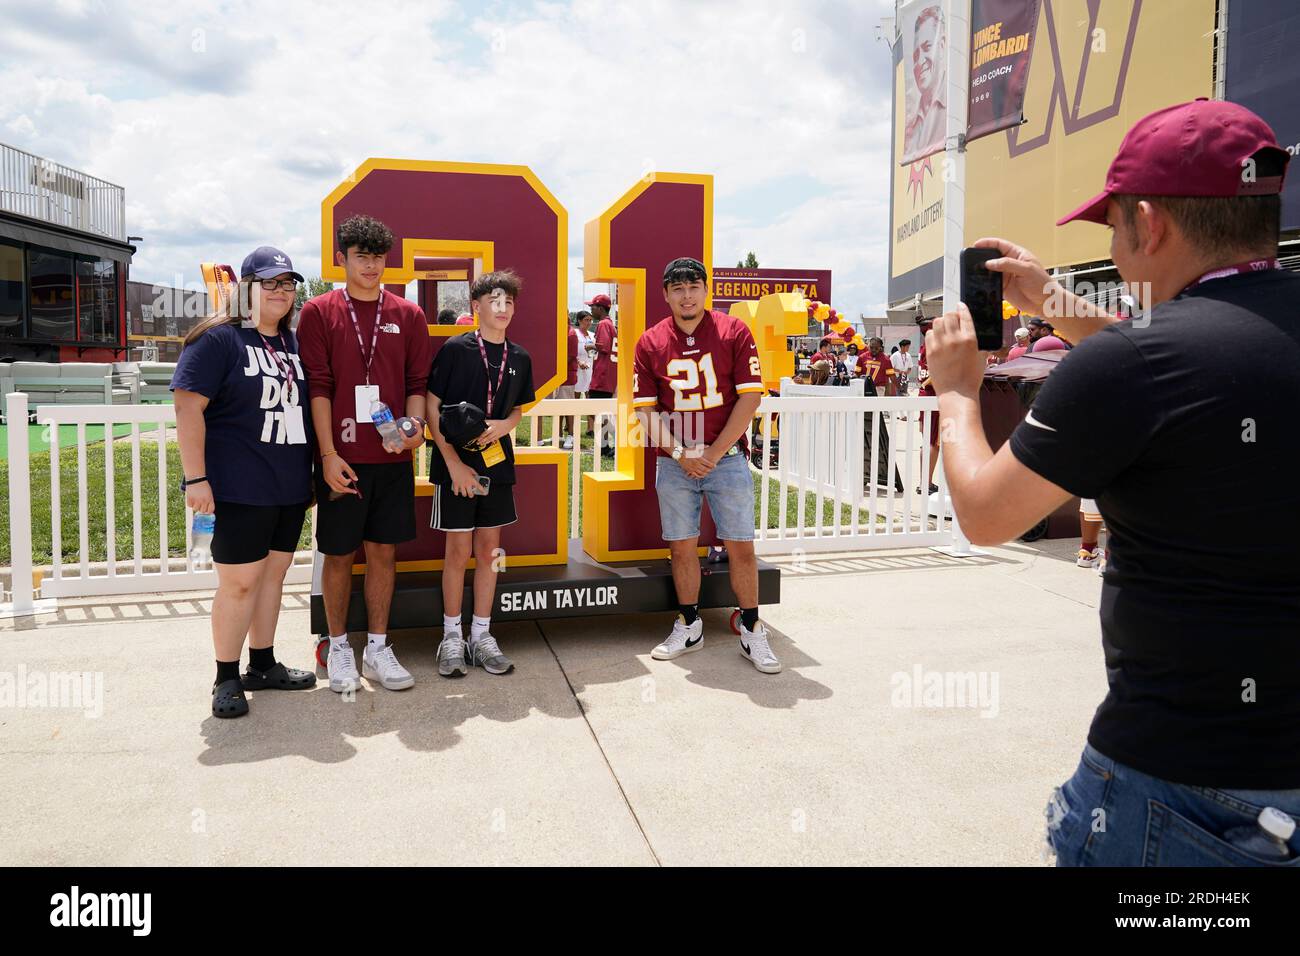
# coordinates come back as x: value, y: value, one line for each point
x: 353, y: 341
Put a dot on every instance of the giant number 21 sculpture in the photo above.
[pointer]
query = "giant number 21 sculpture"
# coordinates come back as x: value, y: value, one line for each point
x: 504, y: 216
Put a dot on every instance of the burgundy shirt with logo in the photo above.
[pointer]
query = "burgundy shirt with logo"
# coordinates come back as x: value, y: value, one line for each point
x: 328, y: 347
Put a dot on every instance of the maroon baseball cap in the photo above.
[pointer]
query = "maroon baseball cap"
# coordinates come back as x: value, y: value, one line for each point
x: 1192, y: 149
x: 601, y: 299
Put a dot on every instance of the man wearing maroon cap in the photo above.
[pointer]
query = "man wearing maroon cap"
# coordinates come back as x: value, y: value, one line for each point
x: 604, y: 372
x: 1193, y: 758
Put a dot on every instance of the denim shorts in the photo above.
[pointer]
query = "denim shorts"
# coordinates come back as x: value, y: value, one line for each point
x: 729, y: 488
x: 1109, y: 814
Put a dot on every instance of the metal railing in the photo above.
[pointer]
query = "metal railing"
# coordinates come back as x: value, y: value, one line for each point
x: 50, y: 192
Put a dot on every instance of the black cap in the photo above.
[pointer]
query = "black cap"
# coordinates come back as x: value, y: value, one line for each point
x: 1039, y: 323
x: 685, y: 269
x: 266, y: 262
x: 461, y: 423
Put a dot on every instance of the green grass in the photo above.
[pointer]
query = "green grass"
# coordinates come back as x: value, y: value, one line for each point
x: 38, y: 436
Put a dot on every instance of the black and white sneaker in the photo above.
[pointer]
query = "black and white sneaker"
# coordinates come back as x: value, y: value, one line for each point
x: 684, y: 639
x: 755, y: 649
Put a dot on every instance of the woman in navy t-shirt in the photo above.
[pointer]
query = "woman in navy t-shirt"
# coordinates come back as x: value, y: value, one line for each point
x: 244, y: 442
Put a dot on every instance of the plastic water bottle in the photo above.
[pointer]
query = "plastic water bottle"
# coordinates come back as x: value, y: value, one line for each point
x: 382, y: 416
x: 201, y: 539
x: 1268, y: 838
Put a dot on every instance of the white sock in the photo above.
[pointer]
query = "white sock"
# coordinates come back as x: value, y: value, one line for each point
x: 479, y: 627
x: 340, y: 642
x: 376, y: 642
x: 451, y: 623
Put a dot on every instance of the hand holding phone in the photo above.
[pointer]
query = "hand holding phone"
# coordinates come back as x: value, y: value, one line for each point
x: 981, y: 291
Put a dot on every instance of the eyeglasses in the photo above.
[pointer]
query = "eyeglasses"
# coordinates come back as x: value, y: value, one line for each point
x: 270, y: 285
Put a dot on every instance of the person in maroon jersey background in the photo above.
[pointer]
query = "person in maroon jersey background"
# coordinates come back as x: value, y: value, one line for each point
x: 923, y: 375
x: 697, y: 383
x: 604, y: 372
x: 875, y: 365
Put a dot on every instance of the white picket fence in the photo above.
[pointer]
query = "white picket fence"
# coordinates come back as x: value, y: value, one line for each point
x: 813, y: 493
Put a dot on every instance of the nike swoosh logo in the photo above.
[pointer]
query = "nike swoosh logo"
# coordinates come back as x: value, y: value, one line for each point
x: 744, y: 647
x: 692, y: 643
x: 1031, y: 420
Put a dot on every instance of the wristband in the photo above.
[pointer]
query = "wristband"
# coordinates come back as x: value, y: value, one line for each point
x: 326, y: 454
x: 186, y: 482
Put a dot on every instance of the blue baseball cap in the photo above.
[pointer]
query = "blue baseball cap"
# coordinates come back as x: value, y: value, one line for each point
x: 266, y: 262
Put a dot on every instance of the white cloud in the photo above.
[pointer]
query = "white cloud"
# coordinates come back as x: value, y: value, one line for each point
x: 227, y: 126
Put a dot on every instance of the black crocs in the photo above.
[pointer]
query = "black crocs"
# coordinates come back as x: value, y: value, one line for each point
x: 228, y: 699
x: 278, y: 677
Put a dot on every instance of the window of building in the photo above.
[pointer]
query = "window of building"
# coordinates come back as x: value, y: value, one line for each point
x: 97, y: 283
x: 11, y: 292
x: 50, y: 292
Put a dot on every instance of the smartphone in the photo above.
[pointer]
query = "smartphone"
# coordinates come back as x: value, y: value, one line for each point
x: 981, y: 290
x: 484, y: 483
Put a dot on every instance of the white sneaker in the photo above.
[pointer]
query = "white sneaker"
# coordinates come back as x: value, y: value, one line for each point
x: 681, y: 641
x: 1089, y: 558
x: 568, y: 443
x: 755, y: 649
x: 342, y: 668
x: 382, y: 665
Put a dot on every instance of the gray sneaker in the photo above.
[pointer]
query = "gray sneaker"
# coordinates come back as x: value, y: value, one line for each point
x: 484, y: 653
x: 451, y: 655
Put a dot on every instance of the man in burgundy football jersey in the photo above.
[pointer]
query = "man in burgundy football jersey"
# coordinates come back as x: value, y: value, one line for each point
x: 875, y: 365
x: 697, y: 383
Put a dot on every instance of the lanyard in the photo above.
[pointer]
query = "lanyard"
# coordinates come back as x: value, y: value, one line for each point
x: 501, y: 376
x: 1255, y: 265
x: 374, y: 341
x: 286, y: 367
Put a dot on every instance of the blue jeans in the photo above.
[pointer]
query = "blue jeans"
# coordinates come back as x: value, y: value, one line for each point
x: 729, y: 488
x: 1109, y: 814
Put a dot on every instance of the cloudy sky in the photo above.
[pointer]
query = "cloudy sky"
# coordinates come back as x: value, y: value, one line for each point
x: 228, y: 122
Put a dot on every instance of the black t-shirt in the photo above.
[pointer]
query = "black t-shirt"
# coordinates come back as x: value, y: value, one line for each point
x: 1183, y: 428
x: 458, y: 376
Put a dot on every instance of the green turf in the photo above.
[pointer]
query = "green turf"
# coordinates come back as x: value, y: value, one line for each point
x: 38, y: 436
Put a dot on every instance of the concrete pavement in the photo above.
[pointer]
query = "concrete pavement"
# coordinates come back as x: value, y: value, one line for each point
x: 928, y: 706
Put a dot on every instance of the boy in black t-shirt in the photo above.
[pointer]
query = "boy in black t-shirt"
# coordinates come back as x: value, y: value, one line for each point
x: 473, y: 473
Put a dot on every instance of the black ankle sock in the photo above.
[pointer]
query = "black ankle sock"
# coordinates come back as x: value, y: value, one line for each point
x: 261, y: 658
x: 690, y: 612
x: 227, y: 670
x: 749, y: 617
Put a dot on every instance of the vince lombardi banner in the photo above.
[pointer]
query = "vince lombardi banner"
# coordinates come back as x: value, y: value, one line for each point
x: 1001, y: 42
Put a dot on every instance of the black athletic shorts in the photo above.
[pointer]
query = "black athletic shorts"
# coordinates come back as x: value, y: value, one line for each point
x: 383, y: 513
x: 453, y: 512
x: 248, y: 533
